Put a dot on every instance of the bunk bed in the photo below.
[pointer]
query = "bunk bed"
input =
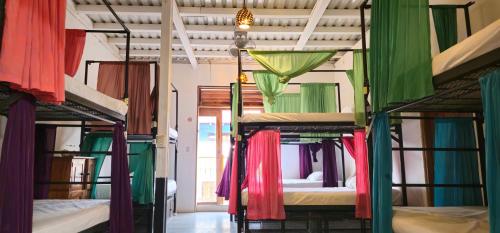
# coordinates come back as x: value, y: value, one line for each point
x: 173, y: 140
x: 456, y: 73
x: 301, y: 204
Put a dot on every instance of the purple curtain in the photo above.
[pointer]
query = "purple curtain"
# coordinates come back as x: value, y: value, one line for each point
x: 121, y: 217
x: 305, y: 163
x: 16, y: 167
x: 225, y: 182
x: 330, y: 176
x: 315, y: 147
x: 45, y: 139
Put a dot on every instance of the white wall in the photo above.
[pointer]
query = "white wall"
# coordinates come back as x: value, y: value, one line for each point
x: 187, y: 81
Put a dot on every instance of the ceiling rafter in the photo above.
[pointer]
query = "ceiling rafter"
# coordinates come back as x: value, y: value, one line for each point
x: 181, y: 53
x: 315, y: 16
x: 181, y: 32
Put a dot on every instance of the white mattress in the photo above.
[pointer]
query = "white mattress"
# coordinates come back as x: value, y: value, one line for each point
x: 68, y: 216
x: 171, y: 187
x: 440, y: 220
x: 301, y: 183
x: 319, y: 196
x: 484, y: 41
x: 172, y: 134
x: 77, y: 88
x: 297, y: 117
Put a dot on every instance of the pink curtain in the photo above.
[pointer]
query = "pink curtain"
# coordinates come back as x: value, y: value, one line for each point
x: 357, y: 148
x: 32, y: 54
x: 75, y: 43
x: 233, y: 190
x: 263, y: 179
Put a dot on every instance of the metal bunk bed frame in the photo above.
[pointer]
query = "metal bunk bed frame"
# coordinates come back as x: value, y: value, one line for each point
x: 247, y: 129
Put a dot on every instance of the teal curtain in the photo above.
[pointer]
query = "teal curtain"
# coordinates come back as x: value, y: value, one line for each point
x: 490, y: 84
x: 445, y: 23
x: 287, y: 102
x: 143, y: 171
x: 269, y: 85
x: 317, y: 98
x: 97, y: 141
x: 290, y: 64
x: 400, y: 53
x: 455, y: 167
x: 234, y: 110
x: 382, y: 174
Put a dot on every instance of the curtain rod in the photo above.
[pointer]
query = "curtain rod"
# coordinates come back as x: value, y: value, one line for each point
x: 311, y: 51
x: 313, y: 71
x: 468, y: 4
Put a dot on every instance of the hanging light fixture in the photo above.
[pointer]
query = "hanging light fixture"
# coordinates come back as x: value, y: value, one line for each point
x: 243, y: 78
x: 244, y: 18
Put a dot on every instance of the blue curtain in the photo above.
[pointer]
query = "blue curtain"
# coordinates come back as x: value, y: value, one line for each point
x: 382, y: 174
x: 490, y: 84
x: 455, y: 167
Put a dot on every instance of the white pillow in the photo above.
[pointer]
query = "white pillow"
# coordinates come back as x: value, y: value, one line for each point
x: 351, y: 182
x: 315, y: 176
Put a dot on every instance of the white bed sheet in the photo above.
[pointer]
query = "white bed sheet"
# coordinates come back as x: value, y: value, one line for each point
x: 77, y: 88
x: 301, y: 183
x: 320, y: 196
x: 172, y: 133
x: 484, y: 41
x: 171, y: 187
x: 440, y: 220
x: 297, y: 117
x: 68, y: 216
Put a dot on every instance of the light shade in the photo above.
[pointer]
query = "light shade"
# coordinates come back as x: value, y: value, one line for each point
x: 244, y: 19
x: 243, y: 78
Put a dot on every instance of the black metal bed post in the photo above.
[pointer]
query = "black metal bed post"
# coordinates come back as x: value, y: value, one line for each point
x: 85, y: 81
x: 482, y: 155
x: 399, y: 133
x: 239, y: 138
x: 467, y: 18
x: 342, y: 154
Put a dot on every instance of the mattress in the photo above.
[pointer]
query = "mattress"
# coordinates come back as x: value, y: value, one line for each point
x: 301, y: 183
x: 171, y: 187
x: 297, y: 117
x: 319, y: 196
x: 440, y: 220
x: 81, y: 90
x: 482, y: 42
x: 69, y: 216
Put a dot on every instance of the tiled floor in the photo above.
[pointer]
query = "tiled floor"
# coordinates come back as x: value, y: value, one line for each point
x: 201, y: 222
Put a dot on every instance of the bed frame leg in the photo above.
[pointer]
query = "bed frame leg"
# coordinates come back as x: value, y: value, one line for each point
x: 283, y: 226
x: 325, y: 225
x: 363, y: 225
x: 247, y: 227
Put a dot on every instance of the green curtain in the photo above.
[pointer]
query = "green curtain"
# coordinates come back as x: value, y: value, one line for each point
x: 400, y: 54
x: 445, y: 23
x: 287, y: 102
x: 359, y: 83
x: 269, y: 85
x: 490, y: 84
x: 455, y: 167
x: 142, y: 167
x: 290, y: 64
x: 234, y: 110
x: 317, y: 98
x: 350, y: 76
x: 97, y: 141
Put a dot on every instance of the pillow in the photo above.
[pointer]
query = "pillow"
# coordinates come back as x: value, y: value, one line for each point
x: 351, y: 182
x: 315, y: 176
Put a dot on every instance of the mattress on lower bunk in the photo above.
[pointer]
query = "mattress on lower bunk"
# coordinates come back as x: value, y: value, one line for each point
x: 297, y: 117
x: 440, y: 220
x: 81, y: 90
x: 319, y: 196
x: 69, y: 216
x: 171, y: 187
x: 482, y: 42
x: 301, y: 183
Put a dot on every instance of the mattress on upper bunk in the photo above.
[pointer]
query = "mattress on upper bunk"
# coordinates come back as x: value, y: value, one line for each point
x: 76, y: 88
x: 171, y: 187
x: 68, y: 216
x: 320, y: 196
x: 480, y: 43
x: 301, y: 183
x: 297, y: 117
x: 440, y: 220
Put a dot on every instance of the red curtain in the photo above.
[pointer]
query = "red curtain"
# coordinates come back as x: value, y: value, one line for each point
x: 32, y: 54
x: 357, y: 148
x: 263, y: 179
x: 233, y: 190
x: 75, y: 43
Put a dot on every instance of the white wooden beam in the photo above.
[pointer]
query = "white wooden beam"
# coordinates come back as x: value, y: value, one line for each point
x: 221, y: 12
x: 316, y: 13
x: 180, y: 53
x: 228, y: 29
x: 182, y: 34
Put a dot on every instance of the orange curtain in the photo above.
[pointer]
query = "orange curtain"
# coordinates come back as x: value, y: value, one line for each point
x: 75, y: 43
x: 32, y: 54
x: 111, y: 81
